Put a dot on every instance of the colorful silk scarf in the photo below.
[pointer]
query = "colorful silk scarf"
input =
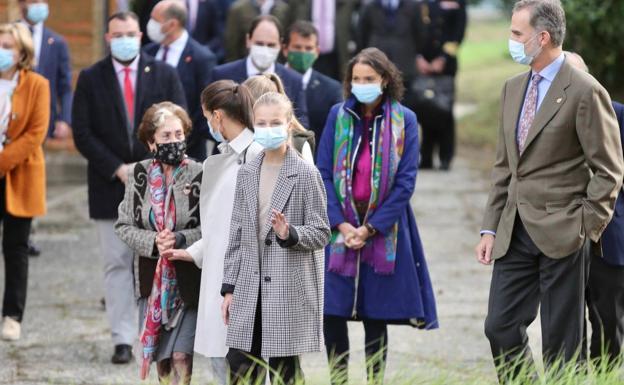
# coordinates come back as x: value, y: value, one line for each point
x: 164, y: 300
x: 379, y: 251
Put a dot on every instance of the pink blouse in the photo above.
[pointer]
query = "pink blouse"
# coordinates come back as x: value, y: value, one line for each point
x: 363, y: 164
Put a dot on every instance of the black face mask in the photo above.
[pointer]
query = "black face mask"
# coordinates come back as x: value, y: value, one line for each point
x: 170, y: 153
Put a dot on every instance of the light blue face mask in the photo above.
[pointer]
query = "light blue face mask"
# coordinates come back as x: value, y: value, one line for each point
x: 366, y: 93
x: 37, y: 12
x: 271, y: 137
x: 215, y: 134
x: 518, y: 54
x: 6, y: 59
x: 125, y: 48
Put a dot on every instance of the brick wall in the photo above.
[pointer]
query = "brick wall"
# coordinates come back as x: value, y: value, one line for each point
x: 81, y: 22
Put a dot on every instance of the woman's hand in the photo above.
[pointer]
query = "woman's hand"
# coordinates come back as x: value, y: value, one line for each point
x: 177, y: 255
x: 280, y: 225
x: 349, y: 234
x: 225, y: 308
x: 360, y: 236
x: 165, y: 240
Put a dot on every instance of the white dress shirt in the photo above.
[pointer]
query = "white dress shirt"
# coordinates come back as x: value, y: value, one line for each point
x: 175, y: 50
x: 252, y: 70
x: 216, y: 205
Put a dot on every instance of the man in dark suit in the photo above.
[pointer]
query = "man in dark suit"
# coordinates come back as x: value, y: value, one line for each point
x: 605, y: 287
x: 301, y: 50
x: 194, y: 62
x: 557, y: 174
x: 52, y: 61
x: 111, y: 97
x: 203, y: 25
x: 263, y: 43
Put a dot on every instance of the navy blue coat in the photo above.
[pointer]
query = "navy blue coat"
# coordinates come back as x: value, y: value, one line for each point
x: 100, y: 124
x: 613, y: 236
x: 194, y: 69
x: 206, y: 30
x: 55, y: 66
x: 409, y: 288
x: 321, y: 94
x: 237, y: 71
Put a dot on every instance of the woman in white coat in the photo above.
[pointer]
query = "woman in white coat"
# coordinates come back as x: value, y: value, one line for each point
x: 228, y: 108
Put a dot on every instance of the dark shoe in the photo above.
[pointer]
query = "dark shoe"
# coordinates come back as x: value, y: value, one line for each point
x: 33, y: 250
x: 123, y: 354
x: 425, y: 165
x: 445, y: 165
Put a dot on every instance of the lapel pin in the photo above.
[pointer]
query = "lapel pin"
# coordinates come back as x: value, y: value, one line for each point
x: 188, y: 59
x: 559, y: 100
x: 51, y: 41
x: 147, y: 69
x: 187, y: 189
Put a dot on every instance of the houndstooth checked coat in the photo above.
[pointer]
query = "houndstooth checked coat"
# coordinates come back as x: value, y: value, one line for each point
x: 289, y: 278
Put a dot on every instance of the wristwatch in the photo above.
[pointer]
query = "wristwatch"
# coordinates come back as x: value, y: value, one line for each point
x: 371, y: 230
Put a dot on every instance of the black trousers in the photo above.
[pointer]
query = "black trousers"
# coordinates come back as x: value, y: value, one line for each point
x: 438, y: 130
x: 15, y: 234
x: 337, y: 348
x: 249, y: 368
x: 605, y: 304
x: 522, y: 280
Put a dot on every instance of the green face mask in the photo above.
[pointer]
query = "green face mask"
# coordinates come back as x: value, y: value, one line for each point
x: 301, y: 61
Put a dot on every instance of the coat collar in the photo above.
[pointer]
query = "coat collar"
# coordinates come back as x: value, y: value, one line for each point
x: 283, y: 187
x: 553, y: 100
x: 353, y: 107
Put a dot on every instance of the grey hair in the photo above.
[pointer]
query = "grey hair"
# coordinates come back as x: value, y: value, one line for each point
x: 176, y: 10
x: 546, y: 15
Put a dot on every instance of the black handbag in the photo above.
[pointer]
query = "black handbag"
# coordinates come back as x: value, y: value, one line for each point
x: 434, y: 92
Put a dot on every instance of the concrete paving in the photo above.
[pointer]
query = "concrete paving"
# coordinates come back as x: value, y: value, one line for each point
x: 66, y: 338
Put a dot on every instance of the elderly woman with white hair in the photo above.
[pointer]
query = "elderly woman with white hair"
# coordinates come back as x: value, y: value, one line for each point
x: 160, y: 211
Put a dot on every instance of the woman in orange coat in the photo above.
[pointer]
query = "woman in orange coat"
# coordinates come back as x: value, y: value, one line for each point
x: 24, y: 119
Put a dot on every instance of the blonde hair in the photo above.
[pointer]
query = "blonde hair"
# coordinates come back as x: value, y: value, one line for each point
x: 155, y: 117
x: 24, y: 43
x: 263, y: 83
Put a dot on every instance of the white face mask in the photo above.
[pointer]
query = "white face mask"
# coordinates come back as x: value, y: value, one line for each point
x: 154, y: 31
x: 263, y: 57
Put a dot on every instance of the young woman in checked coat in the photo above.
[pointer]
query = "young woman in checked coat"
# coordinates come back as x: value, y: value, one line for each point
x: 273, y: 272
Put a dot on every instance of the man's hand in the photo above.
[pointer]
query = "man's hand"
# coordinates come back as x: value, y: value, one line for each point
x: 225, y: 308
x: 62, y: 130
x: 438, y: 64
x: 165, y: 240
x: 484, y: 249
x: 122, y: 173
x: 423, y: 66
x: 177, y: 255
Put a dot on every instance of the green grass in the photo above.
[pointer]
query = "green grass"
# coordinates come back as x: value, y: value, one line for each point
x: 484, y: 65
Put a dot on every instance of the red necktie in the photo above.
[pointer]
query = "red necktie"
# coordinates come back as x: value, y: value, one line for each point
x: 129, y: 95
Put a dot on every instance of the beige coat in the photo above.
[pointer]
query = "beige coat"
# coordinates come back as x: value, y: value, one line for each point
x: 565, y: 183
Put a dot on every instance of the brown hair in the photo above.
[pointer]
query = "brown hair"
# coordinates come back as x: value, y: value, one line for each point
x: 259, y: 85
x: 23, y: 42
x: 234, y: 99
x: 259, y: 19
x: 378, y: 60
x: 302, y: 28
x: 155, y: 117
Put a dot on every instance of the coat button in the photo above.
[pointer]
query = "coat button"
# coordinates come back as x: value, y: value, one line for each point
x: 267, y: 279
x: 240, y: 161
x: 268, y: 242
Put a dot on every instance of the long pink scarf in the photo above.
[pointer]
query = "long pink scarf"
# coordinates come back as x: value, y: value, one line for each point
x: 164, y: 300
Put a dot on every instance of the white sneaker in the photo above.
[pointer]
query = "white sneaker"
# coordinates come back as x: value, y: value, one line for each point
x: 11, y: 329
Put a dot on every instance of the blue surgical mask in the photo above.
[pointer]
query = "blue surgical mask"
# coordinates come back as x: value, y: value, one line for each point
x: 271, y: 137
x: 125, y: 48
x: 37, y: 12
x: 6, y: 59
x: 215, y: 134
x: 518, y: 54
x: 366, y: 93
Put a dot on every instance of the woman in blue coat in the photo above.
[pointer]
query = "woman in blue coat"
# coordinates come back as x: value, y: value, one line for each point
x: 375, y: 266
